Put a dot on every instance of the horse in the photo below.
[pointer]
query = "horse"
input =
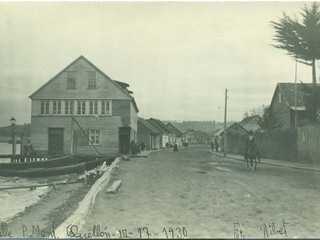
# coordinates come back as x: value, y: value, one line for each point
x: 252, y: 154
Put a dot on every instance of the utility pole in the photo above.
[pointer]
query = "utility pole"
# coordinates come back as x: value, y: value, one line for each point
x: 295, y: 98
x: 225, y: 125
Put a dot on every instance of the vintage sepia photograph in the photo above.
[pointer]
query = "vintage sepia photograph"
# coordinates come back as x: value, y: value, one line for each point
x: 159, y: 120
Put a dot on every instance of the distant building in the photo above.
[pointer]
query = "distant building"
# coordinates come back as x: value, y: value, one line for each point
x: 251, y: 123
x: 283, y: 104
x: 166, y: 136
x: 188, y: 136
x: 177, y: 135
x: 148, y: 134
x: 82, y: 109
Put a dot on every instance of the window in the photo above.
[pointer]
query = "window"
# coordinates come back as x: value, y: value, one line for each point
x: 279, y: 97
x: 81, y: 108
x: 94, y: 136
x: 56, y: 107
x: 92, y: 83
x: 44, y: 109
x: 93, y: 107
x: 68, y: 109
x: 71, y: 79
x: 106, y: 107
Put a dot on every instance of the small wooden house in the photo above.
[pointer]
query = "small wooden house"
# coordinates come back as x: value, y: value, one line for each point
x: 188, y: 136
x: 283, y: 105
x: 251, y: 123
x: 148, y: 134
x: 82, y: 110
x: 165, y: 133
x: 177, y: 135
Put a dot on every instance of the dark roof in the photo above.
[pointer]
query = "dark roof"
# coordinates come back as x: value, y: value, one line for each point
x: 221, y: 131
x: 251, y: 123
x: 189, y: 130
x: 174, y: 130
x: 121, y: 85
x: 148, y: 125
x: 159, y: 125
x: 288, y: 92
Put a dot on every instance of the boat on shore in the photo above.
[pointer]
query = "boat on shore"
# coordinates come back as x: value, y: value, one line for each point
x: 32, y: 167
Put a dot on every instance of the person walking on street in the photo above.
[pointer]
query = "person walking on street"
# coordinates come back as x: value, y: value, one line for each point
x: 132, y: 147
x: 216, y: 143
x: 212, y: 146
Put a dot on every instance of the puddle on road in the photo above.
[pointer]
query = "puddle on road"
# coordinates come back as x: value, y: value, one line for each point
x: 224, y: 169
x: 216, y: 163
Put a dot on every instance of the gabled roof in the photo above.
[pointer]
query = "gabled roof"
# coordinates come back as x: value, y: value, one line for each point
x: 287, y: 91
x: 251, y: 123
x: 122, y: 86
x: 189, y: 130
x: 234, y: 125
x: 174, y: 130
x: 159, y: 125
x: 148, y: 125
x: 219, y: 132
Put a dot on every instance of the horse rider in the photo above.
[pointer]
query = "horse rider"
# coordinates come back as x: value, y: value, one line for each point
x: 250, y: 142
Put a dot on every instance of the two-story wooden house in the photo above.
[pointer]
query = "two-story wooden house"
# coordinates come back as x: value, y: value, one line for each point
x: 83, y: 111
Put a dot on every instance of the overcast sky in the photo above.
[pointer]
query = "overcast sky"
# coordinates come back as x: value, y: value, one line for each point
x: 177, y: 57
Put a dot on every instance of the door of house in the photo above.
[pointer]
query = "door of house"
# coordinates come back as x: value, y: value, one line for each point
x: 124, y: 140
x: 55, y: 145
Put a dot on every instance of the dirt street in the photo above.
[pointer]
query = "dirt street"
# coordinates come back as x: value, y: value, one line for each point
x: 194, y: 194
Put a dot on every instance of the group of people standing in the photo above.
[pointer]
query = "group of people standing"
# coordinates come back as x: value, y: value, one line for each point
x: 215, y: 145
x: 135, y: 148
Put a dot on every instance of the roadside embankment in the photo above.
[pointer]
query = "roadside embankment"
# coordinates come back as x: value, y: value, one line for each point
x: 60, y: 203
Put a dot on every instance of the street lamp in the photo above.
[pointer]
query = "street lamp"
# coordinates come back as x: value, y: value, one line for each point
x: 13, y: 122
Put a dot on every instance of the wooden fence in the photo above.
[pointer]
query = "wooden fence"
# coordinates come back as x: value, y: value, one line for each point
x: 281, y: 145
x: 309, y: 143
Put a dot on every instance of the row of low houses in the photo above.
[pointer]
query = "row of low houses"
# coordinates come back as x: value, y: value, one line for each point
x: 81, y: 110
x: 295, y: 140
x: 287, y: 101
x: 155, y: 134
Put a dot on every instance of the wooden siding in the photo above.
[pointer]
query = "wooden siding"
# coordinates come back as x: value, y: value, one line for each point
x: 109, y: 131
x: 308, y: 143
x: 164, y: 140
x: 280, y: 145
x: 133, y: 118
x: 281, y: 110
x: 156, y: 141
x: 122, y: 108
x: 144, y: 135
x: 57, y: 89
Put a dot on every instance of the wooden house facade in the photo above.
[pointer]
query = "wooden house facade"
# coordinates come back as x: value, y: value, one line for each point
x: 83, y: 111
x: 148, y: 134
x: 177, y: 134
x: 165, y: 133
x: 283, y: 105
